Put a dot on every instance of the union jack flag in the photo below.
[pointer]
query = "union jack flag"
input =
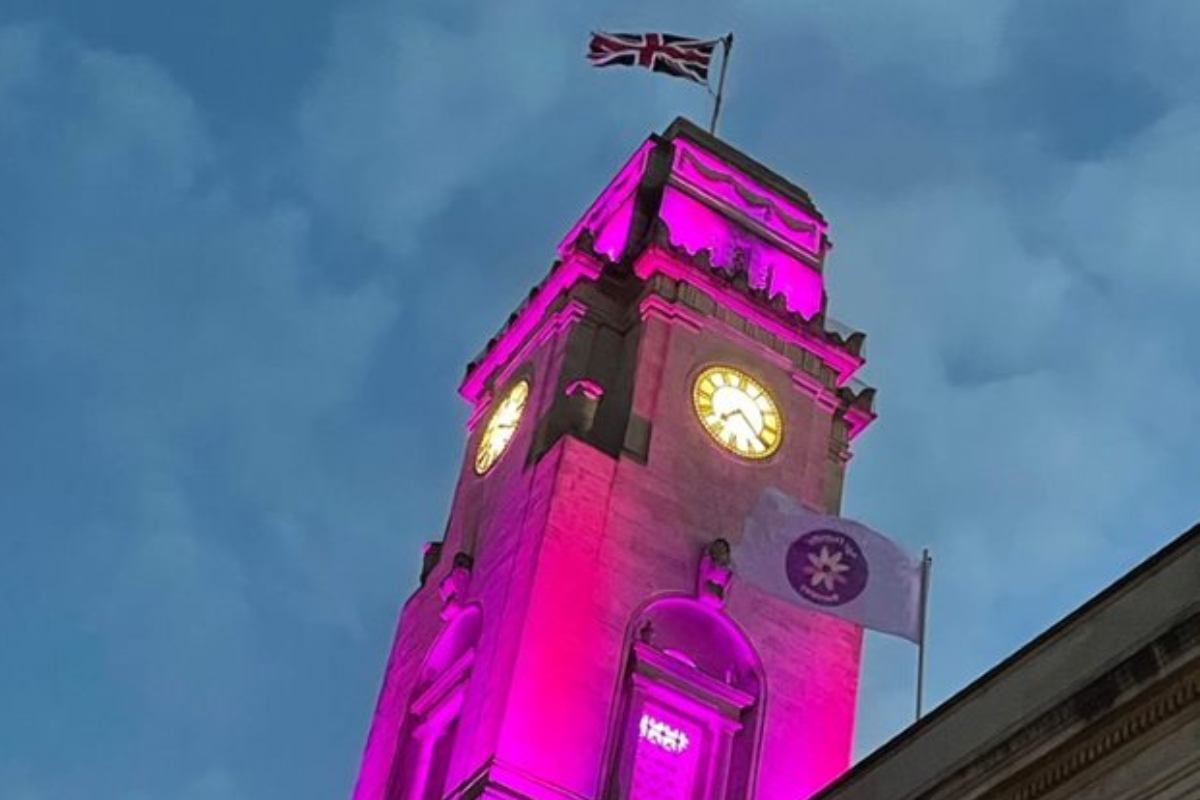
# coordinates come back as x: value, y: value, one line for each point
x: 681, y: 56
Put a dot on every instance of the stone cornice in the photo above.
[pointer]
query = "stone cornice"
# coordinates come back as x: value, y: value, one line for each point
x: 765, y: 319
x: 792, y: 231
x: 758, y: 239
x: 1123, y: 727
x: 678, y: 300
x: 735, y: 277
x: 497, y: 778
x: 524, y: 322
x: 1125, y: 702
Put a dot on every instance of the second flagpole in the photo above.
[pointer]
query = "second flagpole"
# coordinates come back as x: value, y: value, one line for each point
x: 926, y: 569
x: 727, y: 41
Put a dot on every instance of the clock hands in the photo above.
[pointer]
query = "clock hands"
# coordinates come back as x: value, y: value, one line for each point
x: 742, y: 414
x: 722, y: 395
x: 501, y: 426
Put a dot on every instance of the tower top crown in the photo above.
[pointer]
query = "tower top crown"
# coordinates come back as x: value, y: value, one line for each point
x: 689, y: 190
x: 690, y: 207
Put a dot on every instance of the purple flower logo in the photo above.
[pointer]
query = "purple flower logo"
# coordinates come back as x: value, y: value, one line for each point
x: 826, y: 567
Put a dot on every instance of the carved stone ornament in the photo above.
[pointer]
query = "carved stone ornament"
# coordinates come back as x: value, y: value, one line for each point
x: 712, y: 579
x: 453, y: 587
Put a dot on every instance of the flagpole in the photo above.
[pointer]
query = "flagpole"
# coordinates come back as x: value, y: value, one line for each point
x: 926, y: 569
x: 727, y: 41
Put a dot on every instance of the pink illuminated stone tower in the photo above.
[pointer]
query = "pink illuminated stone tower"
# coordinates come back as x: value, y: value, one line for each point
x: 579, y: 633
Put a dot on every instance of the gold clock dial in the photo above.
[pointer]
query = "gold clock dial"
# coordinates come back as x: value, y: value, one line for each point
x: 738, y: 413
x: 501, y: 427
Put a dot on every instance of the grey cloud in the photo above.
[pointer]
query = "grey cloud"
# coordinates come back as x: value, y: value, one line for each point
x: 1083, y: 100
x: 1026, y: 284
x: 990, y: 329
x: 411, y: 109
x: 232, y: 399
x: 214, y: 784
x: 203, y: 356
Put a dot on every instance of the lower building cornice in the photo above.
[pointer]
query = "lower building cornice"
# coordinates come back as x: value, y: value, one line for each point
x: 1140, y: 694
x: 1142, y: 719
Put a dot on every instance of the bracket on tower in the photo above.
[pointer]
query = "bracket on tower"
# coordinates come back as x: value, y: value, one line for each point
x: 453, y: 587
x: 714, y: 574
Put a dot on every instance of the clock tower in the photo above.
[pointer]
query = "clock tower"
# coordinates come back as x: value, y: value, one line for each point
x: 579, y: 633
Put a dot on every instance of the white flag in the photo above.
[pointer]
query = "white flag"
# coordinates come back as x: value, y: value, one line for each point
x: 829, y: 564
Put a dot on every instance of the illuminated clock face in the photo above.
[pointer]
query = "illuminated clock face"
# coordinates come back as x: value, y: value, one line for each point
x: 738, y: 413
x: 501, y: 427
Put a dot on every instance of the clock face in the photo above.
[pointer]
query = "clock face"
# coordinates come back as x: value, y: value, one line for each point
x: 738, y: 413
x: 501, y: 427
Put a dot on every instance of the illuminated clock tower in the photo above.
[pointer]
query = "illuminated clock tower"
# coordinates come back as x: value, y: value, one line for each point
x: 579, y: 633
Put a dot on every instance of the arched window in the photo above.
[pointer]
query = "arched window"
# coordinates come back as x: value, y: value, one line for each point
x: 689, y: 712
x: 427, y: 740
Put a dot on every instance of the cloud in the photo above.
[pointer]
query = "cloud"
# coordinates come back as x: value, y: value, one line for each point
x: 411, y: 108
x: 229, y: 373
x: 1028, y: 312
x: 946, y: 42
x: 169, y: 321
x: 215, y: 784
x: 964, y: 191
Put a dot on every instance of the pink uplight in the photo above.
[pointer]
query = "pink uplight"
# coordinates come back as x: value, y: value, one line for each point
x: 575, y: 634
x: 609, y: 215
x: 696, y: 227
x: 586, y: 387
x: 578, y: 267
x: 723, y: 183
x: 656, y: 260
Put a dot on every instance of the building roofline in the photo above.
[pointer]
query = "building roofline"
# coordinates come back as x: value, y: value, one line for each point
x: 1091, y: 606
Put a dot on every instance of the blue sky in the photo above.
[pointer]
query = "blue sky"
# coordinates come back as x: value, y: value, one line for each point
x: 247, y: 248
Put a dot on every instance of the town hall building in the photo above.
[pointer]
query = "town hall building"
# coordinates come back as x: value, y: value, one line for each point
x: 575, y: 636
